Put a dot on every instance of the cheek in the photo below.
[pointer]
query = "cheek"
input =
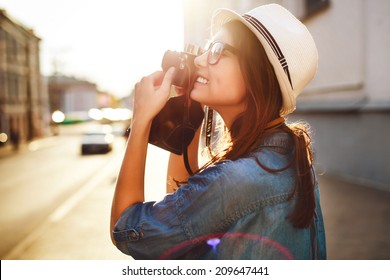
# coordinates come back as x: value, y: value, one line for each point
x: 234, y: 87
x: 226, y: 88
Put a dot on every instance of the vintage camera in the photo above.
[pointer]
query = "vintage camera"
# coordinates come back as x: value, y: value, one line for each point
x: 184, y: 64
x: 173, y: 128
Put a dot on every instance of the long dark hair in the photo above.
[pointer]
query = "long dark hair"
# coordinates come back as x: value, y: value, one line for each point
x: 264, y: 102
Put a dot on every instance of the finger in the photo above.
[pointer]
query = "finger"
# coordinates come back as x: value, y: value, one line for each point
x: 157, y: 78
x: 167, y: 81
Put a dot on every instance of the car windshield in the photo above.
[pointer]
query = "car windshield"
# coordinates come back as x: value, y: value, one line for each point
x: 98, y: 137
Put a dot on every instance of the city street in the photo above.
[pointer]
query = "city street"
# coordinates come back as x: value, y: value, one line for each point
x: 45, y: 180
x: 55, y: 204
x: 64, y: 62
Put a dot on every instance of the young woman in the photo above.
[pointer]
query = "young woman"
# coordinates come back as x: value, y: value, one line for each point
x: 257, y: 197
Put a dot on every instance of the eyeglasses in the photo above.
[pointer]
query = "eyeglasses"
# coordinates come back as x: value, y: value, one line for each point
x: 215, y: 51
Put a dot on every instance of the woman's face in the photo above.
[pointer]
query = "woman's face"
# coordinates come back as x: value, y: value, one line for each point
x: 220, y: 86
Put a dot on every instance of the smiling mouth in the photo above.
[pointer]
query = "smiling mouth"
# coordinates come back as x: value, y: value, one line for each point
x: 202, y: 80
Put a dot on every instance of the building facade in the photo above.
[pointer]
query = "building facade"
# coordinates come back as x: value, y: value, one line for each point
x: 72, y: 96
x: 348, y: 102
x: 23, y: 99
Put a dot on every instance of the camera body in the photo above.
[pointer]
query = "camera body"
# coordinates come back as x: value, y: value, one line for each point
x: 184, y: 64
x: 174, y: 127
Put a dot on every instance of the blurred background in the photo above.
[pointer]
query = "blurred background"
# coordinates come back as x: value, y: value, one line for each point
x: 67, y: 72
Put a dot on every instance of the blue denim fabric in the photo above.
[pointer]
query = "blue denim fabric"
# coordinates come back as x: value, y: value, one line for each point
x: 231, y: 210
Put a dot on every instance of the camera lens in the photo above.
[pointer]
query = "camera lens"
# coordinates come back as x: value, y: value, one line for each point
x: 184, y: 64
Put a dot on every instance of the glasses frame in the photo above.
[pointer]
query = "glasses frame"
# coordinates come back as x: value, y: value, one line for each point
x: 225, y: 46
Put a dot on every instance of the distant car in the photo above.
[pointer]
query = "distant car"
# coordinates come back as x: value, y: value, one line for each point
x: 96, y: 142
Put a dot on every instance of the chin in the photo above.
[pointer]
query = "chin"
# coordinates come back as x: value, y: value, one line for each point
x: 197, y: 96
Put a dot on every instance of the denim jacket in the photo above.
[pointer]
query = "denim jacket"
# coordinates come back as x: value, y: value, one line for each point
x: 231, y: 210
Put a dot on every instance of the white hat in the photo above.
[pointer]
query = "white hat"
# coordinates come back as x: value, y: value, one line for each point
x: 287, y: 42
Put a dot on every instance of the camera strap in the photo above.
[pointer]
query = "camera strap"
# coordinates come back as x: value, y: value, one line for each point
x: 186, y: 162
x: 186, y: 124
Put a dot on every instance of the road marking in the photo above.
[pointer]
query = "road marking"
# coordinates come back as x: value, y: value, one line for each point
x: 39, y: 144
x: 106, y: 170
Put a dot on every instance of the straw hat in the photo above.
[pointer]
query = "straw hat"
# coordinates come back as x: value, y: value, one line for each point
x: 287, y: 42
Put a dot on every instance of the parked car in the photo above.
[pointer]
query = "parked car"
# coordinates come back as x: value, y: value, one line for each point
x: 96, y: 142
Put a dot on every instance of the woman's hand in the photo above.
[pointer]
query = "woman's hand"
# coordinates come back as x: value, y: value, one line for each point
x: 151, y: 94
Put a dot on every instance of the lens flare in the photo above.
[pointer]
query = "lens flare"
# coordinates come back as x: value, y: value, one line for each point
x: 215, y: 241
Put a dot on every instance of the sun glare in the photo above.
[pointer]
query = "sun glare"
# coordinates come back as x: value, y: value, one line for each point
x: 111, y: 43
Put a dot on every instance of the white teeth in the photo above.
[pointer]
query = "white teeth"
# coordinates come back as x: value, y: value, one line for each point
x: 202, y: 80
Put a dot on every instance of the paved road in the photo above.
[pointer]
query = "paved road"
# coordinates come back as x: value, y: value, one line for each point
x: 78, y: 228
x: 356, y: 219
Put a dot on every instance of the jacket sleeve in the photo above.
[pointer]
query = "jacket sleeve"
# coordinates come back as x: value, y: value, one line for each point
x: 147, y: 230
x: 173, y: 225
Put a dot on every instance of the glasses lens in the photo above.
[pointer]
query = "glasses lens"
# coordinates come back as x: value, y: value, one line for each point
x: 215, y: 52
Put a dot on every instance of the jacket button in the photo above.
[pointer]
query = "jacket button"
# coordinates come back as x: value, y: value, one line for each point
x: 134, y: 235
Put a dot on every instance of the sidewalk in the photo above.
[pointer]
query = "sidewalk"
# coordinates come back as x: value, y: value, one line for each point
x: 356, y: 220
x: 42, y: 142
x: 9, y: 150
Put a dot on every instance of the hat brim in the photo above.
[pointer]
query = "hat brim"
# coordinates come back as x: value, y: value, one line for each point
x: 223, y: 16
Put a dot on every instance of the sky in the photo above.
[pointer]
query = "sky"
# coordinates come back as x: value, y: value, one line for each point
x: 112, y: 43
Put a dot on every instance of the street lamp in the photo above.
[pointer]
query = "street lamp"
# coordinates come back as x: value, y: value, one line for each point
x: 57, y: 117
x: 3, y: 138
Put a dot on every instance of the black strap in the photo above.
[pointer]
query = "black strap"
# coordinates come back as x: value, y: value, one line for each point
x: 186, y: 124
x: 186, y: 162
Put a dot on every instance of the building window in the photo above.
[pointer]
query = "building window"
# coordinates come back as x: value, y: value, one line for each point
x: 2, y: 43
x: 2, y: 87
x: 13, y: 88
x: 12, y: 48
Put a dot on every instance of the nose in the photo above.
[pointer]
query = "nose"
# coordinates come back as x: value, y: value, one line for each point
x: 201, y: 60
